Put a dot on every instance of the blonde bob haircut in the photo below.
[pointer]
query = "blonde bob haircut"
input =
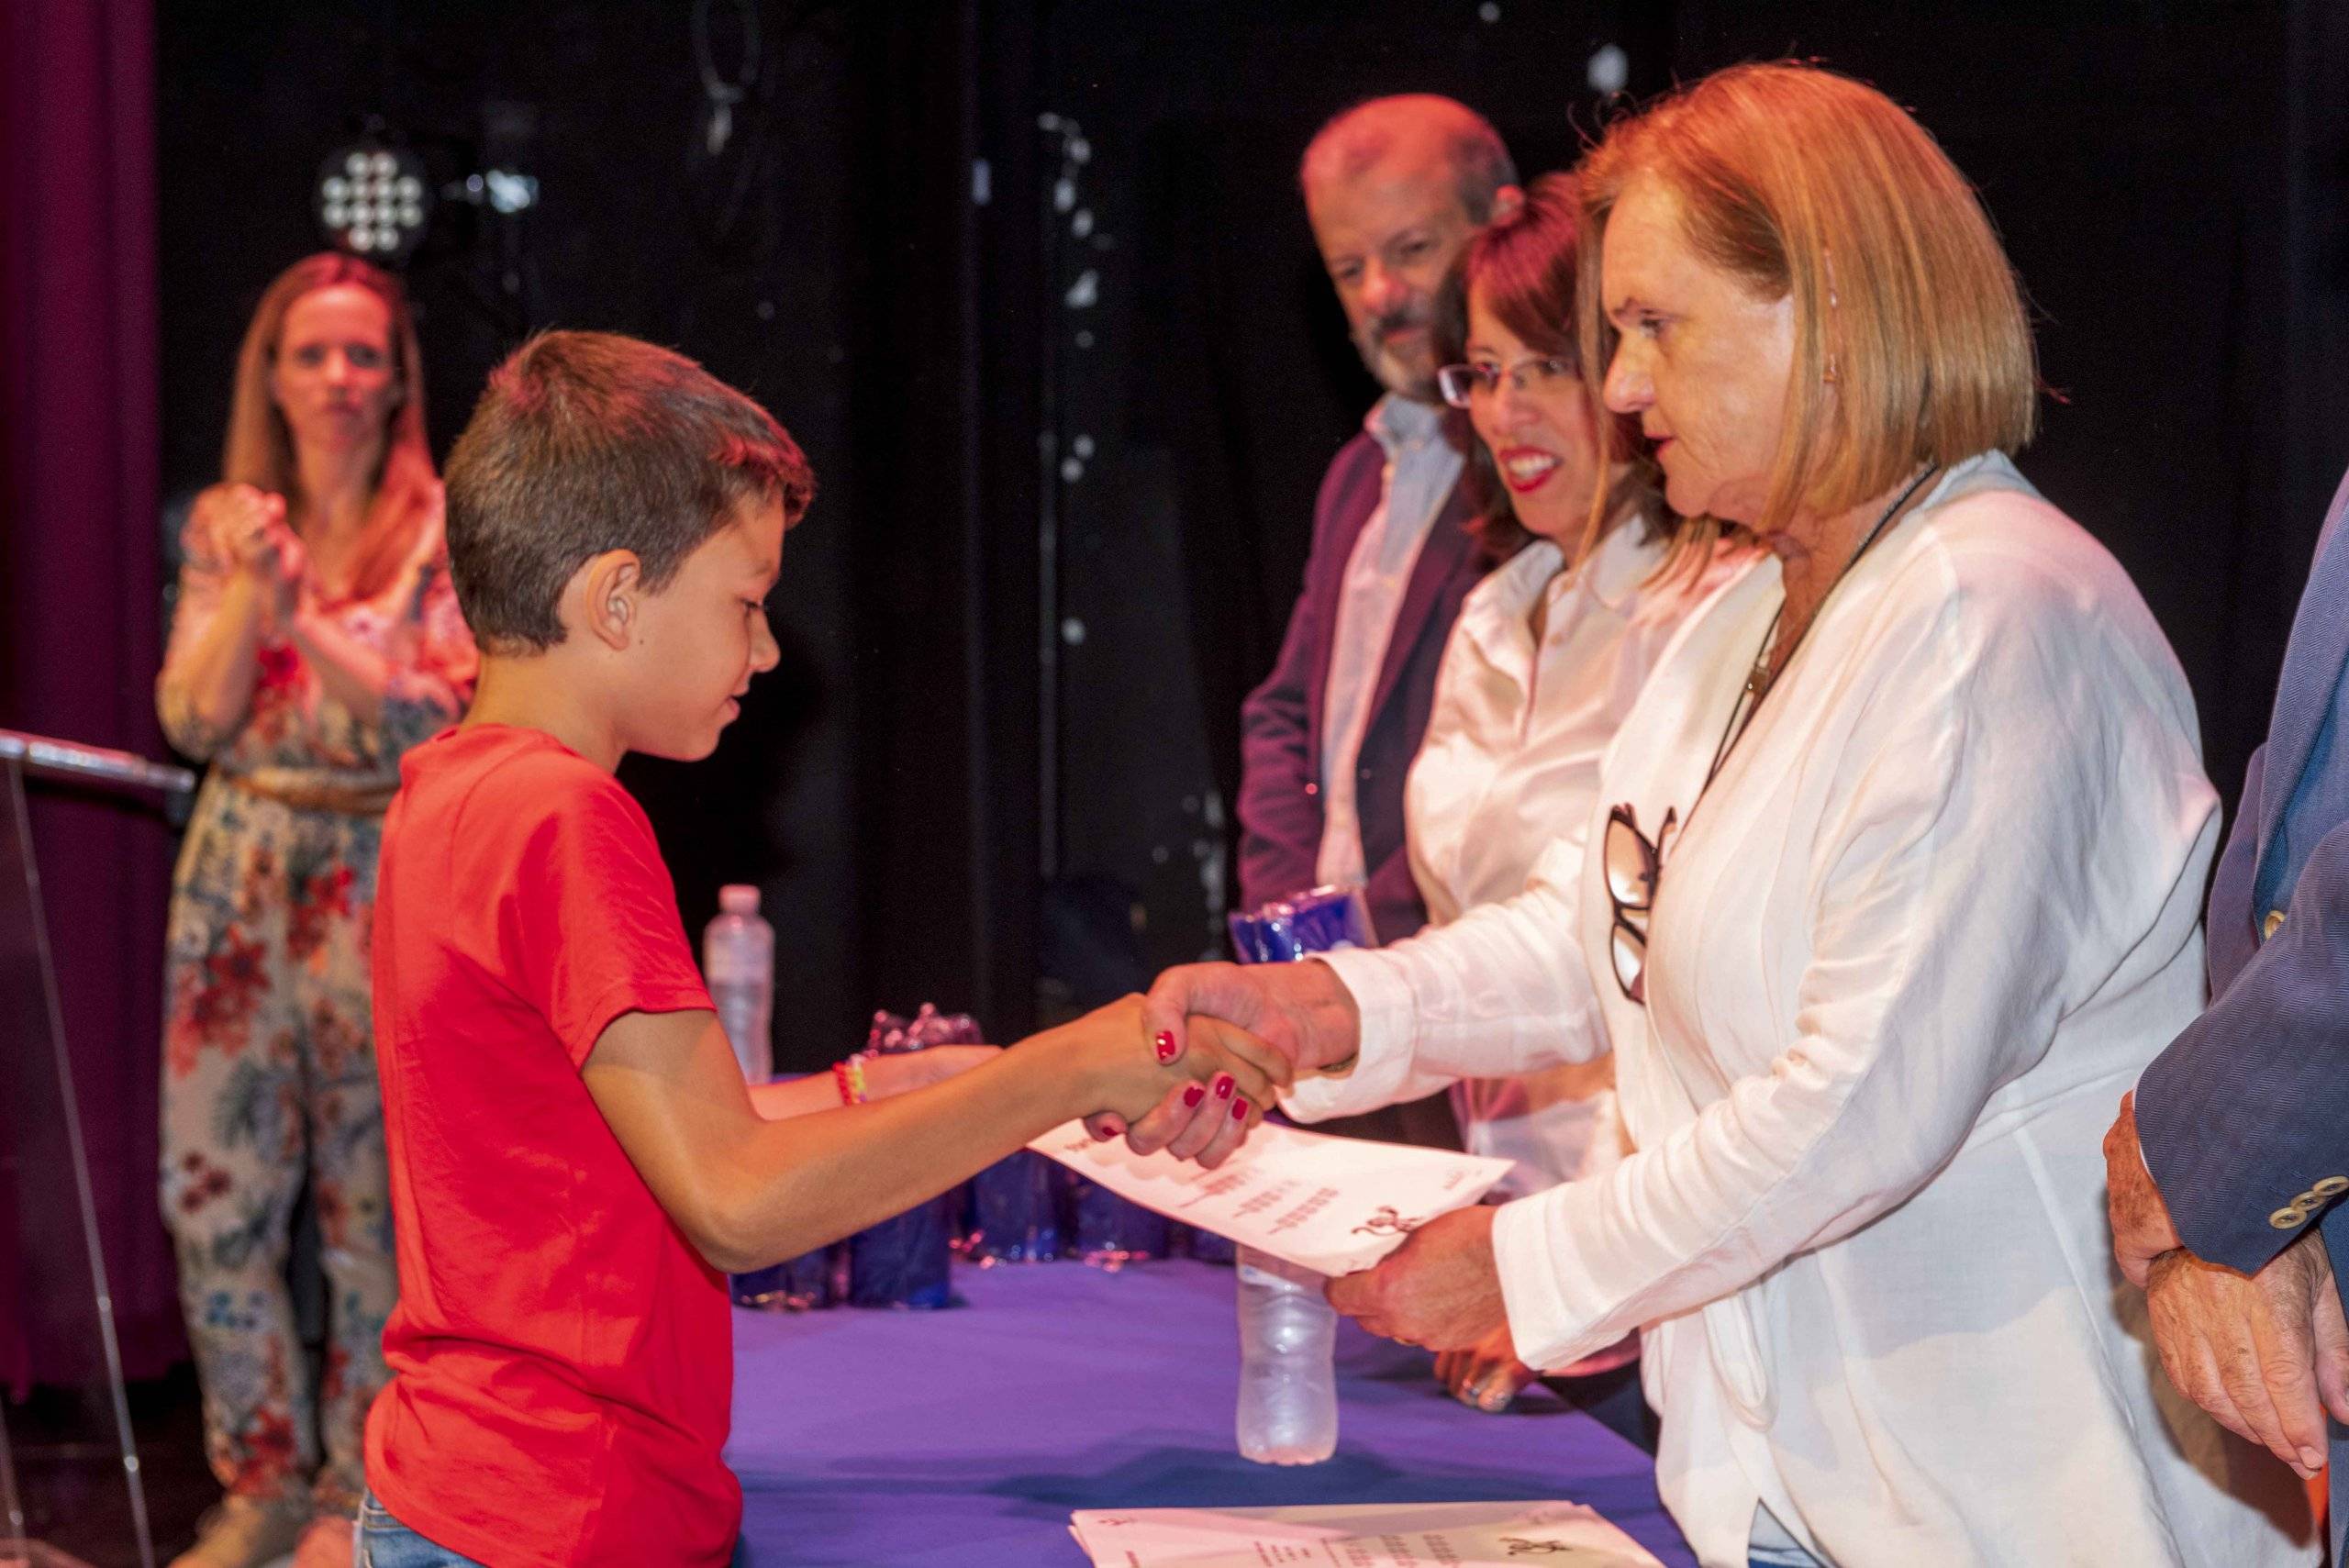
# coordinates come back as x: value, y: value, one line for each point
x: 1910, y: 342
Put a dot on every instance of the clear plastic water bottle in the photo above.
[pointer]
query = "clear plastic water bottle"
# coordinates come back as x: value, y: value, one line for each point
x: 1288, y: 1330
x: 1288, y: 1387
x: 737, y: 963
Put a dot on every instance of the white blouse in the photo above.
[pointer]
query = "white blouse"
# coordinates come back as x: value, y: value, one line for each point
x: 1936, y: 912
x: 1509, y: 765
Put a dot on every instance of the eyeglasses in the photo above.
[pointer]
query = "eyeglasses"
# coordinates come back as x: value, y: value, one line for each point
x: 1633, y: 866
x: 1461, y: 382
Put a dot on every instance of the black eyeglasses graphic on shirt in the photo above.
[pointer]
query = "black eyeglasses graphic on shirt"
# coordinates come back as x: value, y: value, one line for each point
x: 1633, y: 864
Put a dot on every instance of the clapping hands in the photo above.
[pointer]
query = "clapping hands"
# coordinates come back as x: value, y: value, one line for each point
x: 248, y: 531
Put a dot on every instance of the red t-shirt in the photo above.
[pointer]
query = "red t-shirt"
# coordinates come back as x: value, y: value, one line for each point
x: 561, y: 1357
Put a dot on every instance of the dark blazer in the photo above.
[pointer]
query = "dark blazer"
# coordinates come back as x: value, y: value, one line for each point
x: 2244, y: 1119
x: 1280, y: 725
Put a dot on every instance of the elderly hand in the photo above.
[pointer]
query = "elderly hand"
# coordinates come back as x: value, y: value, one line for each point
x: 1485, y: 1376
x: 1301, y: 1010
x: 2267, y: 1354
x: 2142, y: 1231
x: 1439, y: 1289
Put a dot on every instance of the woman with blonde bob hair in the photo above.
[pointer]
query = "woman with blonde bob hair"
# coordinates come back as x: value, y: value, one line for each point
x: 315, y: 638
x: 1896, y: 884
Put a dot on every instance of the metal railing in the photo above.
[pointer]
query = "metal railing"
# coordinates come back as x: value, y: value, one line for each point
x: 47, y: 757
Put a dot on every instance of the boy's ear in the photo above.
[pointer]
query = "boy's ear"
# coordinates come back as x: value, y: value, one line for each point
x: 606, y: 596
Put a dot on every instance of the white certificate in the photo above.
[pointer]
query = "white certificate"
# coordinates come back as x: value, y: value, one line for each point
x: 1332, y: 1205
x: 1394, y: 1535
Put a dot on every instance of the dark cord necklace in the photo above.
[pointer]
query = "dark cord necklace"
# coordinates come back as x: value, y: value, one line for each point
x: 1758, y: 680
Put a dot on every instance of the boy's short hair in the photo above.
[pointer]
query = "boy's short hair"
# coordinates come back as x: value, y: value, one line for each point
x: 584, y: 442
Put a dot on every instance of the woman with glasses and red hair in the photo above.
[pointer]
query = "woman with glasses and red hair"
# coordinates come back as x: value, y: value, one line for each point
x: 315, y: 638
x: 1594, y: 575
x: 1901, y: 855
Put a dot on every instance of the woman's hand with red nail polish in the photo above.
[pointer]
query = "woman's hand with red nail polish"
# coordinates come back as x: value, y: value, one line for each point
x: 1212, y: 1115
x: 1244, y: 1113
x: 1137, y: 1094
x: 1192, y: 1118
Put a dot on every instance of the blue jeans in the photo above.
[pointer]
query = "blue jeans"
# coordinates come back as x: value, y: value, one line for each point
x: 1780, y: 1557
x: 1771, y: 1546
x: 381, y: 1542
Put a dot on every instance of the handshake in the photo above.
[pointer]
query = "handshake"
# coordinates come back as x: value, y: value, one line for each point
x: 1232, y: 1036
x: 1210, y: 1026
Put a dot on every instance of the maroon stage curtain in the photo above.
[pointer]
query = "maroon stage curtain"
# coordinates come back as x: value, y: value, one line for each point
x: 79, y: 628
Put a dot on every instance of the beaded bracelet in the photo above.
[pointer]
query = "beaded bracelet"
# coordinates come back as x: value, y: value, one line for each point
x: 849, y: 1077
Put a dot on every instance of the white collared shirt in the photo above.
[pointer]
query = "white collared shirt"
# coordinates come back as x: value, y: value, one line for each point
x: 1421, y: 468
x: 1509, y: 765
x: 1936, y: 912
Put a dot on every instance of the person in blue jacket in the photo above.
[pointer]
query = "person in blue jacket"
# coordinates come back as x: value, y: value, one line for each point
x: 2225, y: 1172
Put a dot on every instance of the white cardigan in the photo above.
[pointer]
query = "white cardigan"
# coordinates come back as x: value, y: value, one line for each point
x: 1937, y: 911
x: 1509, y: 766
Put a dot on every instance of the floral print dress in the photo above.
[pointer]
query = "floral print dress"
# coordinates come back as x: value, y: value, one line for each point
x: 269, y: 1063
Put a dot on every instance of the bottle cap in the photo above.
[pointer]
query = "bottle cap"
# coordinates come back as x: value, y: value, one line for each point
x: 739, y: 898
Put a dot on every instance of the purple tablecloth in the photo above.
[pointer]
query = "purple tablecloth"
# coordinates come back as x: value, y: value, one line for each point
x: 969, y: 1436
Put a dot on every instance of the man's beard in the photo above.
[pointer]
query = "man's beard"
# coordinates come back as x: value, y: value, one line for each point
x: 1415, y: 381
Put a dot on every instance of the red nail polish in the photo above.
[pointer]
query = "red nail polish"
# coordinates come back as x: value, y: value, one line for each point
x: 1239, y: 1110
x: 1224, y: 1083
x: 1194, y: 1094
x: 1164, y: 1040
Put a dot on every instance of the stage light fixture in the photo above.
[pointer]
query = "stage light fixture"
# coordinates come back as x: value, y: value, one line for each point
x: 374, y: 200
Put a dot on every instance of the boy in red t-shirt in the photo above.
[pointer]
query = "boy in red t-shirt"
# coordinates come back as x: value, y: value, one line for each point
x: 573, y: 1154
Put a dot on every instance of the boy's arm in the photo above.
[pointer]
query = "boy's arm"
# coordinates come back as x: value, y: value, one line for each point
x: 748, y: 1192
x: 883, y: 1076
